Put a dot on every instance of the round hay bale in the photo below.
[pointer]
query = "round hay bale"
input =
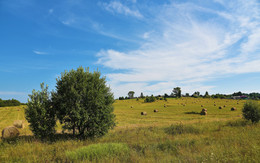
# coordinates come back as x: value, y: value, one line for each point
x: 18, y: 124
x: 204, y: 109
x: 165, y: 105
x: 10, y: 132
x: 224, y: 106
x: 203, y: 113
x: 233, y: 109
x: 155, y: 110
x: 143, y: 113
x: 201, y: 105
x: 214, y: 104
x: 220, y: 107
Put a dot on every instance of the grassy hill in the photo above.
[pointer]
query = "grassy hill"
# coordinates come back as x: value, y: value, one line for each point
x: 176, y: 133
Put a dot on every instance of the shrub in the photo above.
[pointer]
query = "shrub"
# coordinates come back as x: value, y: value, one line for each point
x: 40, y: 113
x: 84, y: 103
x: 149, y: 99
x: 251, y: 111
x: 98, y: 151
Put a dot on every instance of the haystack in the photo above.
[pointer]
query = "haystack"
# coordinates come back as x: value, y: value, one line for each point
x: 155, y: 110
x: 18, y: 124
x: 220, y: 107
x: 143, y: 113
x: 203, y: 112
x: 10, y: 132
x: 233, y: 109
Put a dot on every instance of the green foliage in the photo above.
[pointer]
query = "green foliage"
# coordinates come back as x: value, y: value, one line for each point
x: 149, y: 99
x: 206, y: 95
x: 251, y: 111
x: 131, y: 94
x: 142, y: 95
x: 98, y: 151
x: 121, y: 98
x: 177, y: 92
x: 40, y: 113
x: 84, y: 103
x: 13, y: 102
x: 181, y: 129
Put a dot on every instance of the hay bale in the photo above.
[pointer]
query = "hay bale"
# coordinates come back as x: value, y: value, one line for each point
x: 155, y: 110
x: 214, y: 104
x: 131, y: 106
x: 165, y: 105
x: 220, y: 107
x: 143, y: 113
x: 201, y: 105
x: 18, y: 124
x: 10, y: 132
x: 233, y: 109
x: 224, y: 106
x: 204, y: 111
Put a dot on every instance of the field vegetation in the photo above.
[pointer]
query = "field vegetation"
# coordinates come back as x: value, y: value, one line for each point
x: 176, y: 133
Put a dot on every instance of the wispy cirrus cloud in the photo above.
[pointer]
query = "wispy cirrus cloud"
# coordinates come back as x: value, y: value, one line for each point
x: 118, y: 7
x: 188, y: 49
x: 39, y: 52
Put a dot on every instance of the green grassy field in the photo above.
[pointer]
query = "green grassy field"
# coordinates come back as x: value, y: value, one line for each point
x: 177, y: 133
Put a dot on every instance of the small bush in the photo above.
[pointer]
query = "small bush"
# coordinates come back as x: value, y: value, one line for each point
x: 40, y: 113
x: 149, y: 99
x: 181, y: 129
x: 99, y: 151
x: 251, y: 111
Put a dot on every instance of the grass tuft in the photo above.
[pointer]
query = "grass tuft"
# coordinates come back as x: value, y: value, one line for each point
x: 98, y: 151
x: 181, y: 129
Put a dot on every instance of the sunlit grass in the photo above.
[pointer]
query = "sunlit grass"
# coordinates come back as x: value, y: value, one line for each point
x: 176, y: 133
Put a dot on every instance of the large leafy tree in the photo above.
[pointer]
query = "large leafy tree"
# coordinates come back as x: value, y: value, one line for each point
x: 84, y: 103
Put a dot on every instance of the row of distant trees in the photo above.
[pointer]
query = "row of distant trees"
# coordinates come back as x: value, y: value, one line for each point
x: 13, y: 102
x: 176, y: 93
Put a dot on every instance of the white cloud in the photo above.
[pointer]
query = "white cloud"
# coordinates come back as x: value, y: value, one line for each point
x: 39, y: 52
x: 188, y: 50
x: 118, y: 7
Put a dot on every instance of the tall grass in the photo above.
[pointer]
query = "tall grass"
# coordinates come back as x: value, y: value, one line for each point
x: 99, y: 152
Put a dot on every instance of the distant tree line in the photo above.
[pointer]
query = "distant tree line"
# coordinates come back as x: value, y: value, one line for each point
x: 13, y: 102
x: 176, y: 93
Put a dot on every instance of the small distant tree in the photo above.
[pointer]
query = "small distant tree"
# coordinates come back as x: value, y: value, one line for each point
x: 206, y: 95
x: 84, y: 103
x: 196, y: 94
x: 177, y: 92
x: 142, y: 95
x: 40, y: 114
x: 251, y: 111
x: 131, y: 94
x: 187, y: 95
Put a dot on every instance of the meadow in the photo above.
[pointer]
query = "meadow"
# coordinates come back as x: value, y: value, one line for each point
x: 176, y: 133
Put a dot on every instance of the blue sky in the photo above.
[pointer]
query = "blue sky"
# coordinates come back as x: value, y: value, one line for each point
x: 146, y: 46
